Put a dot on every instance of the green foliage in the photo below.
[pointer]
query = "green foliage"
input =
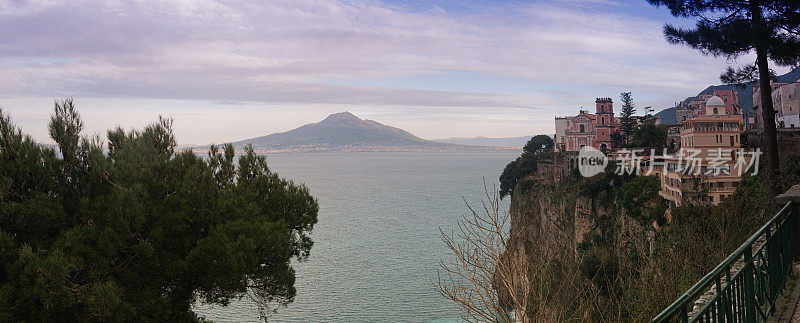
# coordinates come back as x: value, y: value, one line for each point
x: 538, y: 146
x: 745, y: 74
x: 634, y: 284
x: 733, y: 28
x: 619, y: 277
x: 618, y: 139
x: 525, y: 185
x: 602, y: 187
x: 599, y: 188
x: 698, y: 237
x: 516, y: 170
x: 790, y: 170
x: 627, y: 120
x: 648, y: 134
x: 141, y: 232
x: 600, y: 266
x: 636, y: 195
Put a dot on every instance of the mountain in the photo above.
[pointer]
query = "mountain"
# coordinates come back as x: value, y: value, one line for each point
x: 511, y: 142
x: 745, y: 95
x: 346, y: 132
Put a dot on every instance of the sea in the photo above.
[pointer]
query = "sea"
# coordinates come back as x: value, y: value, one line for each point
x: 377, y: 243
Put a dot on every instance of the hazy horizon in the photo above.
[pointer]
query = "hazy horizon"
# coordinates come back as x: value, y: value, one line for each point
x: 232, y: 71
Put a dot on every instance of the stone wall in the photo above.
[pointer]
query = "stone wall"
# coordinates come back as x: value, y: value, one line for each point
x: 788, y: 140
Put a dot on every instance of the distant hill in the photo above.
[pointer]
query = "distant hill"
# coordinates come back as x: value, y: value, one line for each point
x: 745, y: 95
x: 511, y: 142
x: 346, y: 132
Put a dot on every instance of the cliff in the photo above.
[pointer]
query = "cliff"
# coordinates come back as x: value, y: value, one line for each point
x: 563, y: 211
x: 601, y: 248
x: 584, y: 244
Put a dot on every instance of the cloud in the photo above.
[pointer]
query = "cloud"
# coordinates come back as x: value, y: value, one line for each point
x: 231, y: 69
x: 289, y: 51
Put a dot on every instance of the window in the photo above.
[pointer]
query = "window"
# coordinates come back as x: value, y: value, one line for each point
x: 583, y: 129
x: 715, y: 111
x: 602, y: 120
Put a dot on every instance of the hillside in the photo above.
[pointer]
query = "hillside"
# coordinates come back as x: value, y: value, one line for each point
x: 347, y: 132
x: 512, y: 142
x: 745, y: 95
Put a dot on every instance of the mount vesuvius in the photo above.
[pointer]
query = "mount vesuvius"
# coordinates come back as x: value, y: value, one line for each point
x: 346, y: 132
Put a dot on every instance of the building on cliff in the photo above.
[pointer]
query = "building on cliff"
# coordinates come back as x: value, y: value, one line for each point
x: 697, y: 106
x: 586, y: 129
x: 785, y: 101
x: 709, y: 161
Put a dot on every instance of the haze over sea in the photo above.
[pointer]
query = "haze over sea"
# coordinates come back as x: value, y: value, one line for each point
x: 377, y: 242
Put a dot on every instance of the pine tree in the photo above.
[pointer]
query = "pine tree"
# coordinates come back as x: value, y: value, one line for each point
x: 627, y: 120
x: 138, y: 232
x: 539, y: 143
x: 731, y: 29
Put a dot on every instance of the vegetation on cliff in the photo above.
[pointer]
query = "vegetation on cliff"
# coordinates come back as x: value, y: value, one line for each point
x: 609, y: 248
x: 538, y: 146
x: 136, y: 231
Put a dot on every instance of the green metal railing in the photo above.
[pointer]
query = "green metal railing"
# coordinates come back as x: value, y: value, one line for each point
x: 749, y: 294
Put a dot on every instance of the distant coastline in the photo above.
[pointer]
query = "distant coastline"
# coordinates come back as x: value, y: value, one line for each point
x: 373, y: 149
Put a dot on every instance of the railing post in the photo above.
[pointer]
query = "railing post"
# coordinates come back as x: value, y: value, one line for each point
x: 770, y: 258
x: 749, y: 288
x: 792, y: 195
x: 722, y: 303
x: 795, y: 228
x: 795, y: 231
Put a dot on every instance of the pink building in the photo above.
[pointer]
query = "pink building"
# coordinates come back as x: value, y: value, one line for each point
x: 586, y: 129
x: 714, y: 138
x: 731, y: 99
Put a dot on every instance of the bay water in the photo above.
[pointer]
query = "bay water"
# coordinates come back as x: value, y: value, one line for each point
x: 377, y: 242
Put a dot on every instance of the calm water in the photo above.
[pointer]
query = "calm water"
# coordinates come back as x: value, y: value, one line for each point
x: 377, y: 242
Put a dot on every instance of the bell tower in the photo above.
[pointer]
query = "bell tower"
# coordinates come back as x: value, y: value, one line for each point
x: 604, y: 123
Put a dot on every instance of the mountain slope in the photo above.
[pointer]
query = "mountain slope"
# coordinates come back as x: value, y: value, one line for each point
x: 346, y: 132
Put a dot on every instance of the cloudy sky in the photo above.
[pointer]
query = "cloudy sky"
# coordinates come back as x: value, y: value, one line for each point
x: 229, y: 70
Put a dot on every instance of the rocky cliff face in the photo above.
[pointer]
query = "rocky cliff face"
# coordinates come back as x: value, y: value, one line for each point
x: 557, y: 214
x: 601, y: 249
x: 576, y: 223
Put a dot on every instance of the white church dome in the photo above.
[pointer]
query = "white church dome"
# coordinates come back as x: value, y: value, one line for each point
x: 715, y: 101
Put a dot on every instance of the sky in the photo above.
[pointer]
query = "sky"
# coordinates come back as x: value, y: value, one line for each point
x: 231, y: 70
